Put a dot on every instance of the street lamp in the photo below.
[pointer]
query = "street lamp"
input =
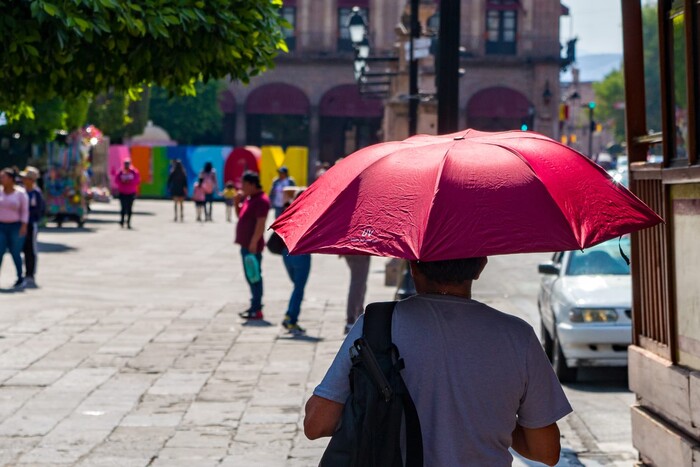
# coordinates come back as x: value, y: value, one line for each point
x: 357, y: 26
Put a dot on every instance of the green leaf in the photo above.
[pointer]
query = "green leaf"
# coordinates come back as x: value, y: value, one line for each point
x: 50, y: 9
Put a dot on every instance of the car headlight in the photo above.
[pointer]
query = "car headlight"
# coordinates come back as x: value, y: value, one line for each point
x: 592, y: 315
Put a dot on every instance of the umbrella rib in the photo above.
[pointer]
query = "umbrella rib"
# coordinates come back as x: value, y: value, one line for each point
x: 435, y: 191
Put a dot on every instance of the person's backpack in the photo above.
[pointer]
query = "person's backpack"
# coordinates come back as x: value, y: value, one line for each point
x: 369, y: 434
x: 208, y: 183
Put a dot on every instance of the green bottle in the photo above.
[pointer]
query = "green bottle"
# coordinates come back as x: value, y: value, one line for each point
x: 252, y: 268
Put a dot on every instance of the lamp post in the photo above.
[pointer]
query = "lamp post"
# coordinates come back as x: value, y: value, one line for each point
x: 413, y: 72
x: 448, y: 59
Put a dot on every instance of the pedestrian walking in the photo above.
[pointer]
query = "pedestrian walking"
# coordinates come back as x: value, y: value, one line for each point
x: 14, y: 217
x: 298, y: 268
x: 210, y: 184
x: 199, y: 196
x: 127, y: 181
x: 252, y: 206
x: 359, y: 272
x: 449, y: 342
x: 30, y: 175
x: 229, y: 195
x: 282, y: 181
x: 177, y: 185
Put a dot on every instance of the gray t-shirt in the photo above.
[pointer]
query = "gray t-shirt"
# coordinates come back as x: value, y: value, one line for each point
x: 472, y: 371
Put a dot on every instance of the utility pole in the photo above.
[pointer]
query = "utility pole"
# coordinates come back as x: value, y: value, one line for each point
x: 448, y: 58
x: 413, y: 71
x: 591, y: 128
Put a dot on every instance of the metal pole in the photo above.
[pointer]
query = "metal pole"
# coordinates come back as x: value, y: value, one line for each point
x: 591, y: 129
x: 448, y: 58
x: 413, y: 72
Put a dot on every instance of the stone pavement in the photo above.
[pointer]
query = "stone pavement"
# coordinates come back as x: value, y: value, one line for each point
x: 131, y: 352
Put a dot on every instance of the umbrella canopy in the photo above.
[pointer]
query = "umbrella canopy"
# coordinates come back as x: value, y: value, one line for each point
x: 462, y: 195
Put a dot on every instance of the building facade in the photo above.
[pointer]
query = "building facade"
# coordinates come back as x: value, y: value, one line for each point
x: 511, y: 58
x: 664, y: 360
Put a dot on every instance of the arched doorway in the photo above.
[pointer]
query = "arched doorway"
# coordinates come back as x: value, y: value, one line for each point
x: 277, y: 115
x: 348, y: 122
x: 500, y: 109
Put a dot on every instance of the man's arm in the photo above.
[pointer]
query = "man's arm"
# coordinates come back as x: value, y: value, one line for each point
x: 257, y: 234
x: 322, y: 417
x: 538, y: 444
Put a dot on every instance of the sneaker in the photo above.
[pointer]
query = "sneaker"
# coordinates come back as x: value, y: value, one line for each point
x: 30, y: 283
x: 294, y: 329
x: 253, y: 315
x: 20, y: 284
x: 244, y: 314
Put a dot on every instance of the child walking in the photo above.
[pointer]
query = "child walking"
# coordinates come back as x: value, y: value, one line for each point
x: 229, y: 194
x: 199, y: 197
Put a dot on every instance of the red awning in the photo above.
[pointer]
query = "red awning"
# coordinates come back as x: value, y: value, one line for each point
x: 352, y: 3
x: 277, y: 99
x: 503, y: 5
x: 345, y: 101
x: 498, y: 102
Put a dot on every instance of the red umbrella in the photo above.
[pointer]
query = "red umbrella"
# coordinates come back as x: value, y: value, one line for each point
x: 462, y: 195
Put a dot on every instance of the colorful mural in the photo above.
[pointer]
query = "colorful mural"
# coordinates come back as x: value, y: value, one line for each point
x: 154, y: 164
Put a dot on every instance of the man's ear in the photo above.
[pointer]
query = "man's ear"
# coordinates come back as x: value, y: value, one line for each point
x: 484, y: 262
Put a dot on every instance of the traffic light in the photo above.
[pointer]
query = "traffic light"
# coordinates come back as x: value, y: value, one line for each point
x: 523, y: 127
x: 593, y: 126
x: 563, y: 112
x: 591, y: 105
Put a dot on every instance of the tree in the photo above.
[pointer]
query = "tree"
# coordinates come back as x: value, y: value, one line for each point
x: 610, y: 91
x: 609, y: 94
x: 190, y: 119
x: 64, y: 49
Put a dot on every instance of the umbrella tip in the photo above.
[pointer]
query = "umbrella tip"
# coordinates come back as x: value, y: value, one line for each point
x: 457, y: 138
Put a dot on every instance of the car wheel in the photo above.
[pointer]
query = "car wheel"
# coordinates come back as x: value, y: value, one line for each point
x: 547, y: 342
x: 565, y: 373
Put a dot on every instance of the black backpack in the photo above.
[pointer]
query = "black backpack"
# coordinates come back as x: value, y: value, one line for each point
x: 369, y: 434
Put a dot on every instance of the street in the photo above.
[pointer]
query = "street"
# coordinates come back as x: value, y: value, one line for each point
x: 131, y: 352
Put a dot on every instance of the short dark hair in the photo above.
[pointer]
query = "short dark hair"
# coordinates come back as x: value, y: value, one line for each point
x: 252, y: 177
x: 450, y: 271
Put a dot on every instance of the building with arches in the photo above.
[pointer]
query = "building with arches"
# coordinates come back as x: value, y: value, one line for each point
x: 511, y: 58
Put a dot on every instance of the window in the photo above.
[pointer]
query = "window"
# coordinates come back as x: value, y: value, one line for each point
x: 290, y: 14
x: 501, y: 26
x: 344, y: 14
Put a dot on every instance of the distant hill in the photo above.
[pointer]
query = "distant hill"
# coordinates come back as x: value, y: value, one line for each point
x: 593, y: 67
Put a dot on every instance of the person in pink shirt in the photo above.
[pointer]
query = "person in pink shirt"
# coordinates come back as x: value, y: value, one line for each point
x: 14, y: 216
x: 199, y: 196
x: 127, y: 182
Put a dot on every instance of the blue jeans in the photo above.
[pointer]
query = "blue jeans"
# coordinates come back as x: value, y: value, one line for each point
x: 298, y: 267
x: 256, y: 290
x: 11, y: 240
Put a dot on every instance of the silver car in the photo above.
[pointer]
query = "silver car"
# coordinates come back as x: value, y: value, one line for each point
x: 585, y: 308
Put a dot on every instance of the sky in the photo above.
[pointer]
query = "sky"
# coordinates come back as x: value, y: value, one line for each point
x: 596, y: 23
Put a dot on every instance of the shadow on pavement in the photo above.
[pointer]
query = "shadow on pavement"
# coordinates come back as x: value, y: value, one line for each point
x: 257, y: 323
x: 601, y: 380
x: 91, y: 220
x: 109, y: 212
x: 45, y: 247
x: 8, y: 291
x: 290, y: 337
x: 76, y: 229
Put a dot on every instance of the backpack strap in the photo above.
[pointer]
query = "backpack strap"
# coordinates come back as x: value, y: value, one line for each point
x: 376, y: 331
x: 377, y: 326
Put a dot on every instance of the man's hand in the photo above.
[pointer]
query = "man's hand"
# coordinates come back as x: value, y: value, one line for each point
x: 253, y: 247
x: 322, y: 417
x: 23, y: 230
x: 538, y: 444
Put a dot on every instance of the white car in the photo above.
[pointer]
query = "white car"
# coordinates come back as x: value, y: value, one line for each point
x: 585, y: 308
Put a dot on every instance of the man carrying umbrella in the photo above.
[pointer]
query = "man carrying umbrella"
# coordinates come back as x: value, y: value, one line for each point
x: 479, y: 378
